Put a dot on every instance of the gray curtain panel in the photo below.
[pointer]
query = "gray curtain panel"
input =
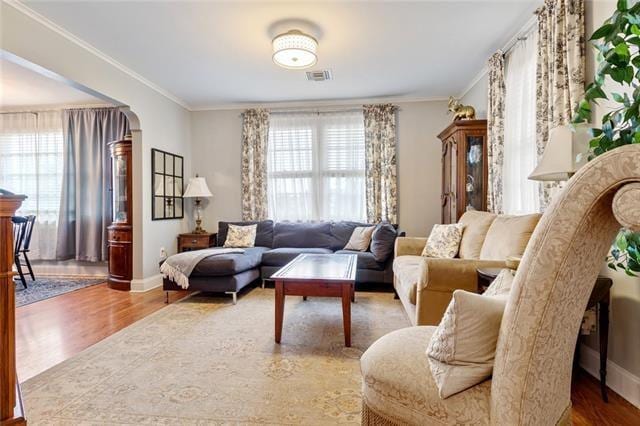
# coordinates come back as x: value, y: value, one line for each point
x: 495, y: 131
x: 380, y: 163
x: 560, y: 72
x: 85, y: 206
x: 255, y: 139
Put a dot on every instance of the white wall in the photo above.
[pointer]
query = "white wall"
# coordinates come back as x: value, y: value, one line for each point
x: 216, y: 137
x: 476, y: 96
x: 164, y: 124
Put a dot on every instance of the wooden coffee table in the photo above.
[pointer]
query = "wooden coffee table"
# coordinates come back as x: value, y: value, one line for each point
x: 325, y: 275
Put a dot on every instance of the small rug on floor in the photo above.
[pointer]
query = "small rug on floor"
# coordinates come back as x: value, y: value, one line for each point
x: 205, y: 361
x: 47, y: 287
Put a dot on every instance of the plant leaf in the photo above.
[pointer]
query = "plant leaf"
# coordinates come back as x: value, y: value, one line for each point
x: 603, y: 31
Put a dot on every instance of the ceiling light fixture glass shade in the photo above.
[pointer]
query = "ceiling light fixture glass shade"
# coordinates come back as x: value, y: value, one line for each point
x: 295, y: 50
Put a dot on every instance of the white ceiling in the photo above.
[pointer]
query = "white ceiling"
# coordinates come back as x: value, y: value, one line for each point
x: 21, y: 87
x: 212, y: 54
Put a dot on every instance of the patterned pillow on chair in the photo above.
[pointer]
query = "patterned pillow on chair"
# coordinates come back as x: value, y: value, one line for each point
x: 444, y: 241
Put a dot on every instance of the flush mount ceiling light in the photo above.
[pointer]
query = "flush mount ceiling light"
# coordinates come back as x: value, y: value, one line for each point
x: 295, y: 50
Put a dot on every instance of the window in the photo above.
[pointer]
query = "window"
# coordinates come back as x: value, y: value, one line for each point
x: 31, y: 147
x: 520, y: 195
x: 316, y: 166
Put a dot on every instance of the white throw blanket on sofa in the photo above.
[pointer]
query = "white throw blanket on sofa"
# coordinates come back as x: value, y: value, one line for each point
x: 178, y: 267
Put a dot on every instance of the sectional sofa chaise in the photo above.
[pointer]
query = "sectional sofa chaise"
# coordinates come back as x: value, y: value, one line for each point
x: 276, y: 244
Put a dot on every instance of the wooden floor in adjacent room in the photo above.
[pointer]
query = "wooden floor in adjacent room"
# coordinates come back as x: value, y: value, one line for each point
x: 50, y: 331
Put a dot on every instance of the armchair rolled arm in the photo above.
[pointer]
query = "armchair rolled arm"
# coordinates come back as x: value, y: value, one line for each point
x: 441, y: 277
x: 409, y: 246
x: 456, y: 274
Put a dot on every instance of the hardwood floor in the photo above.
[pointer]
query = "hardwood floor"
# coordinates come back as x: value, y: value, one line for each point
x: 50, y: 331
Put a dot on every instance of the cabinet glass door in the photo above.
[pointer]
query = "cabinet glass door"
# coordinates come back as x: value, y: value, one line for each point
x: 474, y: 179
x: 120, y: 188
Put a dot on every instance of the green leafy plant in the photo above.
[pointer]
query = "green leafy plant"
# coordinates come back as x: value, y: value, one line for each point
x: 617, y: 42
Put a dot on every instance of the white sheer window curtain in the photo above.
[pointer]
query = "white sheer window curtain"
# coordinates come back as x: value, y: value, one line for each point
x: 316, y: 166
x: 520, y: 157
x: 31, y: 164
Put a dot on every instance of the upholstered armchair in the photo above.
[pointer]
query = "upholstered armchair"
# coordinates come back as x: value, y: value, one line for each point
x: 425, y: 285
x: 531, y: 381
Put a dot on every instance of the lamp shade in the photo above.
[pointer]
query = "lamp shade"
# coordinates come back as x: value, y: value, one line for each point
x: 197, y: 188
x: 560, y: 158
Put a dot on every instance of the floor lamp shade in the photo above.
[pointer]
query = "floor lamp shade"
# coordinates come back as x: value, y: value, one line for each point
x: 562, y: 155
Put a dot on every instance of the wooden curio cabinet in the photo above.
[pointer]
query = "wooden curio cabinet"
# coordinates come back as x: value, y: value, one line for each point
x: 464, y: 168
x: 120, y: 238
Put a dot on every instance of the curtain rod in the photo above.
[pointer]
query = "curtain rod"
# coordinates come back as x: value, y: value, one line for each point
x: 317, y: 110
x: 56, y: 109
x: 521, y: 35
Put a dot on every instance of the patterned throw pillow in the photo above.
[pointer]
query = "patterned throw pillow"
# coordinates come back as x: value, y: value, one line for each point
x: 360, y: 238
x: 462, y: 349
x: 501, y: 284
x: 444, y: 241
x: 241, y: 236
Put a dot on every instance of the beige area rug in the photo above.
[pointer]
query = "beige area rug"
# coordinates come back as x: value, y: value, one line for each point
x: 204, y: 361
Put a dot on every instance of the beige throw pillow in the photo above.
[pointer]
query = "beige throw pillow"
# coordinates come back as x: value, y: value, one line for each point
x: 508, y: 236
x: 463, y: 347
x: 241, y: 236
x: 501, y: 284
x: 360, y: 238
x: 444, y: 241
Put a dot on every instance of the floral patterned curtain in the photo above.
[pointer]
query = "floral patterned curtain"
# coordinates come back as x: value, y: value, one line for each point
x: 560, y: 72
x: 380, y: 163
x: 495, y: 131
x: 255, y: 137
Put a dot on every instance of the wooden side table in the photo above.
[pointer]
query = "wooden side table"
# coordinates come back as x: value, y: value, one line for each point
x: 189, y: 241
x: 600, y: 298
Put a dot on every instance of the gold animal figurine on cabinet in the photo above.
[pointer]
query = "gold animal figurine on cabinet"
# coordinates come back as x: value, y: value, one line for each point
x: 461, y: 112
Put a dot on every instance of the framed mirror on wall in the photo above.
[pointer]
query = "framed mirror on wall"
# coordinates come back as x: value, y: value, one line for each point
x: 167, y: 182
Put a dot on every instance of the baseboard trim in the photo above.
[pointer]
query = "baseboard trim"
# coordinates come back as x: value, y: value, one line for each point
x: 146, y: 284
x: 621, y: 381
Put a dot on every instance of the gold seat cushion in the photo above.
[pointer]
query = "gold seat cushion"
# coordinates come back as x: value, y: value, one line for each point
x: 398, y: 384
x: 408, y: 270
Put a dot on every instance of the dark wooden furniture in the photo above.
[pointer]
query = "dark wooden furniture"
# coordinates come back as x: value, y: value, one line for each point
x: 120, y: 232
x: 190, y: 241
x: 22, y: 231
x: 600, y: 299
x: 324, y: 275
x: 167, y: 183
x: 464, y: 168
x: 11, y: 411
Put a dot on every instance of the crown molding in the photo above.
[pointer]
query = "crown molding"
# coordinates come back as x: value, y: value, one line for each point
x: 317, y: 103
x: 26, y: 10
x: 473, y: 82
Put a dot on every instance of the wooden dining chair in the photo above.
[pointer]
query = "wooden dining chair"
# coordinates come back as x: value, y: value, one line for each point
x: 22, y: 231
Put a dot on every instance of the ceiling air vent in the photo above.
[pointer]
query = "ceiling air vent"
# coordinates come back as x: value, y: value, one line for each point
x: 322, y: 75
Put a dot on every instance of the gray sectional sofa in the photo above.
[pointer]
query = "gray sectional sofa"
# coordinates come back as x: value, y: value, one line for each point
x: 277, y: 244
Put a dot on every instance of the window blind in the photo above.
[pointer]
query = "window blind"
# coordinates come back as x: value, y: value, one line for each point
x: 315, y: 166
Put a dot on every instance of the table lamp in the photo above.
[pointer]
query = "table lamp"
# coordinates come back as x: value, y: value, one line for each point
x: 564, y: 154
x: 197, y: 188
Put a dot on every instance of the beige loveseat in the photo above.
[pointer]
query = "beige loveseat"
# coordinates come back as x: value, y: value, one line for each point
x: 425, y: 285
